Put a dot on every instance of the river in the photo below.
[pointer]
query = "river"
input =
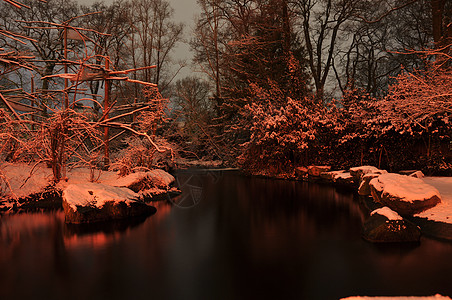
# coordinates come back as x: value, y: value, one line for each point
x: 227, y: 236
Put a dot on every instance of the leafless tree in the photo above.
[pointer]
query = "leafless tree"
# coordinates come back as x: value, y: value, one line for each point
x: 209, y: 41
x: 113, y: 23
x: 47, y: 45
x: 321, y: 24
x: 153, y: 38
x: 371, y: 53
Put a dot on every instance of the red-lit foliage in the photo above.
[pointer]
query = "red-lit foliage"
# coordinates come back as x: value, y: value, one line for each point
x: 409, y: 128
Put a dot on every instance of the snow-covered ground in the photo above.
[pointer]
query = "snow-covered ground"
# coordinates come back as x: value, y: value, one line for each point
x: 443, y: 211
x: 21, y: 180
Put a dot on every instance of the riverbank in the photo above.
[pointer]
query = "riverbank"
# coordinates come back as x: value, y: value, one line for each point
x: 434, y: 221
x: 31, y: 187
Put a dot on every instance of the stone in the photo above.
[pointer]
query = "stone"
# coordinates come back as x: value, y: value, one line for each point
x: 145, y: 180
x: 340, y: 177
x: 406, y: 172
x: 417, y: 174
x: 364, y: 187
x: 345, y: 180
x: 94, y: 202
x: 359, y: 172
x: 329, y: 176
x: 301, y: 172
x: 379, y: 228
x: 404, y: 194
x: 317, y: 170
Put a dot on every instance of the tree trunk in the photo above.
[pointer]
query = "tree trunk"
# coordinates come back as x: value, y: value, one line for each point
x: 437, y: 21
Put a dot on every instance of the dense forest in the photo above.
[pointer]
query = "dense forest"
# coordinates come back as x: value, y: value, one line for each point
x: 277, y: 84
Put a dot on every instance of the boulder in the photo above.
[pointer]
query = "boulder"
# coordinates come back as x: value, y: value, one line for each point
x: 359, y: 172
x: 364, y: 187
x: 301, y: 172
x: 404, y: 194
x: 341, y: 177
x: 406, y: 172
x: 94, y: 202
x: 386, y: 226
x: 317, y: 170
x: 417, y: 174
x: 329, y: 176
x: 145, y: 180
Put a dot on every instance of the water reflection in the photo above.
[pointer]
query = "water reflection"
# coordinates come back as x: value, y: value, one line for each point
x: 245, y: 238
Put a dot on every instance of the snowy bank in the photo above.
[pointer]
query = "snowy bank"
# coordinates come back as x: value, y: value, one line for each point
x: 94, y: 202
x: 20, y: 180
x: 443, y: 211
x: 26, y: 185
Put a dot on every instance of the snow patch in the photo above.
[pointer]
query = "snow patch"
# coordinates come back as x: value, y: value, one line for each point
x: 125, y: 181
x: 443, y: 211
x: 388, y: 213
x: 23, y: 179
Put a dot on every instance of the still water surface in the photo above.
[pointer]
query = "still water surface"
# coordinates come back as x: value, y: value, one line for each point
x: 230, y: 237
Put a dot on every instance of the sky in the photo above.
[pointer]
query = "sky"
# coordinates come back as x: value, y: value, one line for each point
x: 184, y: 11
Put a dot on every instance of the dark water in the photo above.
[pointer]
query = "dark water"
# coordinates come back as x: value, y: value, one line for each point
x: 229, y: 237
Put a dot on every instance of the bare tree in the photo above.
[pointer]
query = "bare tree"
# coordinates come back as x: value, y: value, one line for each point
x: 370, y: 54
x: 154, y: 35
x: 46, y: 45
x: 113, y: 23
x: 209, y: 41
x: 321, y: 22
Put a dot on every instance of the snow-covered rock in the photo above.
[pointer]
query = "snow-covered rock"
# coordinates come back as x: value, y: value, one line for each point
x: 342, y: 177
x: 94, y: 202
x: 301, y: 172
x: 404, y: 194
x: 317, y: 170
x: 364, y: 187
x: 385, y: 225
x: 359, y: 172
x: 144, y: 180
x: 388, y: 213
x: 417, y: 174
x: 162, y: 176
